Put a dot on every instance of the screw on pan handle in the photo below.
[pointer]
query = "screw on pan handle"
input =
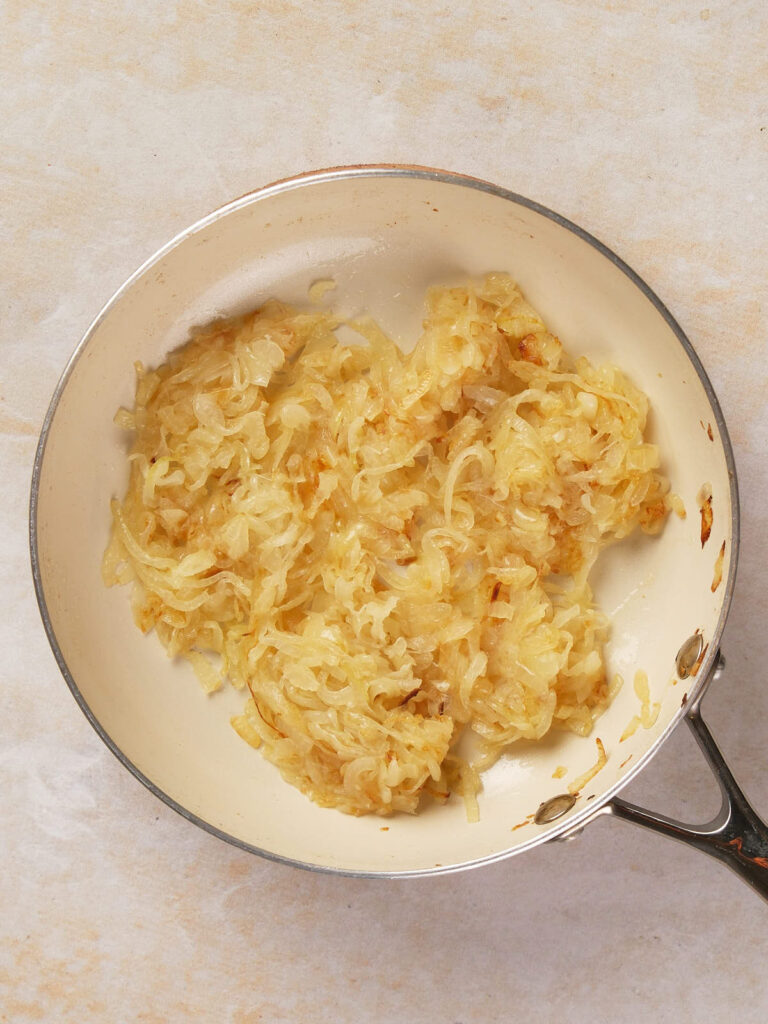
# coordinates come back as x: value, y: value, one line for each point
x: 736, y: 835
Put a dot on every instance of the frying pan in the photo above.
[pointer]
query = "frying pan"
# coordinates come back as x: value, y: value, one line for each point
x: 384, y: 234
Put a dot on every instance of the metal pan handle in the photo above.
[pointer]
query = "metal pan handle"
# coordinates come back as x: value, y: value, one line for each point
x: 736, y: 835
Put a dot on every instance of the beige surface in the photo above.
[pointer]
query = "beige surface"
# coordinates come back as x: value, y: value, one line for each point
x: 644, y: 123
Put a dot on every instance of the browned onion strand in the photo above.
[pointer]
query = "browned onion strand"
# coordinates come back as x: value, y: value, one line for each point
x: 385, y: 548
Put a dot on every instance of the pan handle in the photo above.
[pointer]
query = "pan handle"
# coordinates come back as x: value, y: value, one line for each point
x: 736, y: 835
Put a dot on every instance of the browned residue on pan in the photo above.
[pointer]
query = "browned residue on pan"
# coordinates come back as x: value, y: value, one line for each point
x: 626, y: 761
x: 697, y: 664
x: 707, y: 428
x: 737, y: 842
x: 521, y: 824
x: 684, y: 701
x: 718, y: 577
x: 704, y: 499
x: 578, y: 784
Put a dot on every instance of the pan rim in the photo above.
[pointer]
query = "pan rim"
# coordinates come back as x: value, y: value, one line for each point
x: 384, y: 170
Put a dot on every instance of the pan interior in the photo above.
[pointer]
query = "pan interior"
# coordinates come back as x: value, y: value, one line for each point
x: 384, y: 239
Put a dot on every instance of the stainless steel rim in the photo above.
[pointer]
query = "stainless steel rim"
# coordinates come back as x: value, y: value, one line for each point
x: 444, y: 177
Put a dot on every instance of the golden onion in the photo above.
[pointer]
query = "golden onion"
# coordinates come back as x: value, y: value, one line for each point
x: 384, y: 550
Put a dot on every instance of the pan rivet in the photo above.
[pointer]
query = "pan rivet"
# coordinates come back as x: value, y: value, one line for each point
x: 554, y: 808
x: 689, y: 654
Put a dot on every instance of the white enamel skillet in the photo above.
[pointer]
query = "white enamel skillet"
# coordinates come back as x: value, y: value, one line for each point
x: 385, y: 234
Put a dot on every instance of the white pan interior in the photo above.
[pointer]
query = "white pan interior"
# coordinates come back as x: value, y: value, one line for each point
x: 384, y: 236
